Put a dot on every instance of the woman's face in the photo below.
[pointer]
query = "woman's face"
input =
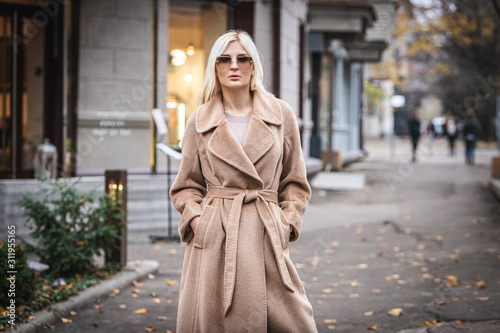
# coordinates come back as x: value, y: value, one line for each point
x: 234, y: 67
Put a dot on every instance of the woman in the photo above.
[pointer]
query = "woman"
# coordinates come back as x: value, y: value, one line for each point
x: 242, y: 192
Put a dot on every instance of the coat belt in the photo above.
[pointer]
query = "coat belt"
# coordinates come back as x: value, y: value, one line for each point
x: 240, y: 197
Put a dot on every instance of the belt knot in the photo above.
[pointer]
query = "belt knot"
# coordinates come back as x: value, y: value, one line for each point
x: 251, y: 195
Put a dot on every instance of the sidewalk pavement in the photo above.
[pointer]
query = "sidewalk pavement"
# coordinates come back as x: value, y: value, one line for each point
x: 153, y: 284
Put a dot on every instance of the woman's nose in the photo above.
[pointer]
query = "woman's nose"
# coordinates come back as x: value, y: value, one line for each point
x: 234, y: 64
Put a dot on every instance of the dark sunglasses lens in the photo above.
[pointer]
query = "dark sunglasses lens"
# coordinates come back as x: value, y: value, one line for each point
x: 224, y: 60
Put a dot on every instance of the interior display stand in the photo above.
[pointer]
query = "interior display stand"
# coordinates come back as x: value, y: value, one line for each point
x: 170, y: 153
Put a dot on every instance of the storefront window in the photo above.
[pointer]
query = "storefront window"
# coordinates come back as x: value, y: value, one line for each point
x: 193, y: 27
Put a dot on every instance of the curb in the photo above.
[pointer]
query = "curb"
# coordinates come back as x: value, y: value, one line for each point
x: 122, y: 279
x: 494, y: 185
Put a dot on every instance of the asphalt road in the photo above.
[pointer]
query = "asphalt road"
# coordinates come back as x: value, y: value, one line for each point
x: 419, y: 242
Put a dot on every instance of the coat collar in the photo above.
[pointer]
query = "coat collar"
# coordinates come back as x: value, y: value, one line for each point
x: 259, y: 138
x: 265, y: 107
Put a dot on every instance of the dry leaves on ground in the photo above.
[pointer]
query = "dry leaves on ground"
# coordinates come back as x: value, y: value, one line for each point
x: 396, y: 312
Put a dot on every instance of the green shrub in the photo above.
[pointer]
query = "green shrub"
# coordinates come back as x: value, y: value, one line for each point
x: 70, y: 228
x: 24, y: 285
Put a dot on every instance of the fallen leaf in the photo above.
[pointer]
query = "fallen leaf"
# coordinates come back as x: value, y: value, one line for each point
x: 171, y: 282
x: 380, y: 253
x: 396, y: 312
x: 78, y: 276
x: 392, y: 277
x: 440, y: 238
x: 363, y: 239
x: 362, y: 266
x: 169, y: 331
x: 376, y: 291
x: 372, y: 328
x: 151, y: 276
x: 477, y: 221
x: 123, y: 306
x: 327, y: 291
x: 453, y: 281
x: 335, y: 284
x: 50, y: 326
x: 138, y: 262
x: 150, y: 329
x: 98, y: 308
x: 173, y: 251
x: 368, y: 313
x: 135, y: 295
x: 161, y: 318
x: 421, y: 247
x: 426, y: 276
x: 154, y: 294
x: 136, y: 291
x: 482, y: 299
x: 401, y: 282
x: 354, y: 295
x: 461, y: 321
x: 299, y: 265
x: 331, y: 327
x: 455, y: 300
x: 330, y: 321
x: 116, y: 291
x: 439, y: 302
x: 480, y: 285
x: 355, y: 284
x: 157, y: 300
x: 72, y: 313
x: 65, y: 320
x: 168, y: 301
x: 141, y: 311
x: 138, y: 284
x: 313, y: 261
x: 432, y: 260
x: 94, y: 325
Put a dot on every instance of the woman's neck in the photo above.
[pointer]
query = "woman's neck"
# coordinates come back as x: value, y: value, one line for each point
x: 237, y: 103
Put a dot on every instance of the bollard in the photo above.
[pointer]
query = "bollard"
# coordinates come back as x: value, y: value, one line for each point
x: 116, y: 186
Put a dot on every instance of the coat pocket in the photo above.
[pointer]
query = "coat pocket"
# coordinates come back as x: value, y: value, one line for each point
x: 284, y: 228
x: 201, y: 228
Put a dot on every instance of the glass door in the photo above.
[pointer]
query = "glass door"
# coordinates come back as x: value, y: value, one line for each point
x: 21, y: 90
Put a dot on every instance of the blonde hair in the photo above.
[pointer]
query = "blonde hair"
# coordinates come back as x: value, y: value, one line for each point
x: 211, y: 85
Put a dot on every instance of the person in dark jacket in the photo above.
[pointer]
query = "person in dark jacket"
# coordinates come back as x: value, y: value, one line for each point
x: 470, y: 131
x: 414, y: 130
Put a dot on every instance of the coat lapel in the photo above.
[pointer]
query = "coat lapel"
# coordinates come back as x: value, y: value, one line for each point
x: 259, y: 138
x: 224, y: 145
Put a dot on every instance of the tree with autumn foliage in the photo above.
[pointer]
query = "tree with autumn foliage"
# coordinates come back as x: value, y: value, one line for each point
x: 457, y: 43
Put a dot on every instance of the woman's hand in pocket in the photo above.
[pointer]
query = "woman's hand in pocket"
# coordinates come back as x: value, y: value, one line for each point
x: 194, y: 223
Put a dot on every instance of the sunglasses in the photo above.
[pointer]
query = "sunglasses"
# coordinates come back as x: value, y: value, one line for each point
x: 224, y: 63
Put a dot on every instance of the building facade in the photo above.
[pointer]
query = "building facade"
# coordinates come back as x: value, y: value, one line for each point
x: 86, y: 74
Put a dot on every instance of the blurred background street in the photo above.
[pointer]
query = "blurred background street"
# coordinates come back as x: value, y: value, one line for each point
x: 418, y: 241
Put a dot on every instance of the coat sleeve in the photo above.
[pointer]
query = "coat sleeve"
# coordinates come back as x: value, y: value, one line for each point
x: 189, y: 187
x: 294, y: 191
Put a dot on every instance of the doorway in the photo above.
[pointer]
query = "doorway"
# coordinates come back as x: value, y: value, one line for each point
x: 23, y: 87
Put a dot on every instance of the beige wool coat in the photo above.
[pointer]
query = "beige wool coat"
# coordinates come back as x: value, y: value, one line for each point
x: 237, y: 275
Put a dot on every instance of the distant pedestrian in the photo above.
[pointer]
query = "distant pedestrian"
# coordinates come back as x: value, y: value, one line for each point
x: 414, y: 129
x: 450, y: 130
x: 242, y: 191
x: 471, y: 130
